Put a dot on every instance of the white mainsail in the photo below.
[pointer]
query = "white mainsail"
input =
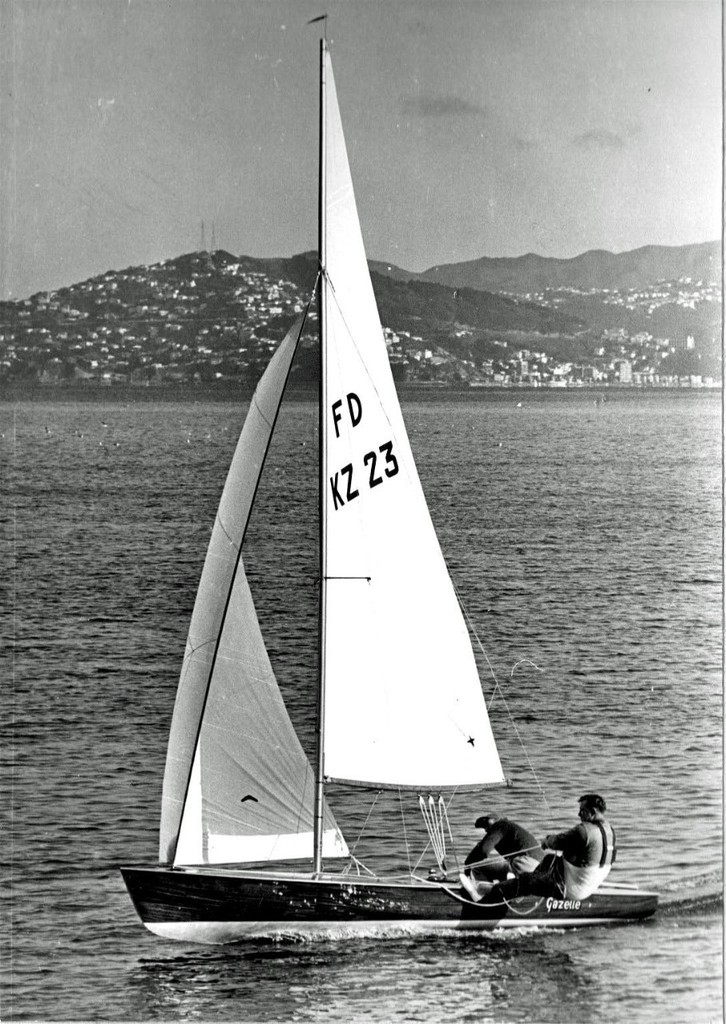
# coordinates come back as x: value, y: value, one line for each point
x: 402, y: 702
x: 238, y: 786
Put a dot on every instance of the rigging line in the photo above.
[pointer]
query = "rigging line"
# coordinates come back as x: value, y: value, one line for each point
x: 228, y: 600
x: 405, y: 834
x: 430, y: 843
x: 448, y: 827
x: 432, y: 836
x: 360, y: 867
x: 365, y: 823
x: 441, y: 837
x: 452, y: 797
x: 422, y: 808
x: 435, y: 806
x: 428, y: 814
x: 421, y: 857
x: 443, y: 821
x: 498, y: 689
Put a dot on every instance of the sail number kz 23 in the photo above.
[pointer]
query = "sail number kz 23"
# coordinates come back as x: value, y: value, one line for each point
x: 377, y: 465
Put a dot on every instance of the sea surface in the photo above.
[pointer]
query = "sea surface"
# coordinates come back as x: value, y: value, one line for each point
x: 584, y: 537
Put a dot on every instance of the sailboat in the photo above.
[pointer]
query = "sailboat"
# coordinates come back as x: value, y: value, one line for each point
x: 249, y: 845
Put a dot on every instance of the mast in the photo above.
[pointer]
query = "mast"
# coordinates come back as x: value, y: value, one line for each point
x: 322, y: 489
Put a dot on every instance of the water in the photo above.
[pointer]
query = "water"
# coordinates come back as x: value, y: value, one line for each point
x: 585, y: 540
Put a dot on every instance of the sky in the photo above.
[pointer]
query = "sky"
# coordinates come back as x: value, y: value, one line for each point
x: 474, y: 128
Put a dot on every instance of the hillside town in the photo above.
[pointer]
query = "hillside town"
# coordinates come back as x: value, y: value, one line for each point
x: 199, y: 320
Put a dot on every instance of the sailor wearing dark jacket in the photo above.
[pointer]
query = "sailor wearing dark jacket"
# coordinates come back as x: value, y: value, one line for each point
x: 515, y: 844
x: 520, y: 851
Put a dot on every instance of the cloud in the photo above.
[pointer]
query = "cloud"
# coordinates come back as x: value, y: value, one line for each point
x: 599, y: 138
x: 440, y: 106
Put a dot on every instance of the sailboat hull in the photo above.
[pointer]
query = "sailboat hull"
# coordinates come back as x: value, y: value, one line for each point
x: 217, y: 906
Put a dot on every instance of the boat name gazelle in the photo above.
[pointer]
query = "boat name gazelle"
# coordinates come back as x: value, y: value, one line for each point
x: 552, y: 904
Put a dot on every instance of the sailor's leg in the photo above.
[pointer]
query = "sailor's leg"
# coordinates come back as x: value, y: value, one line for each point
x: 547, y: 880
x: 494, y: 871
x: 474, y: 889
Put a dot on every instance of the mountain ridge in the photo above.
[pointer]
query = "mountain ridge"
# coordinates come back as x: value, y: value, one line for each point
x: 640, y: 267
x: 594, y: 268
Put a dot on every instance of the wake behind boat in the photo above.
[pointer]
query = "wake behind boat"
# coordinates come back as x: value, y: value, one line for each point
x: 399, y: 701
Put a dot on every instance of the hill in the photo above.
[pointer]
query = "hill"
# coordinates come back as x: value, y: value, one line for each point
x: 204, y: 317
x: 596, y: 269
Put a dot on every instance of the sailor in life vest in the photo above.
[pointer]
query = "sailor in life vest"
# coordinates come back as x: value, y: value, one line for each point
x: 588, y: 849
x: 588, y: 853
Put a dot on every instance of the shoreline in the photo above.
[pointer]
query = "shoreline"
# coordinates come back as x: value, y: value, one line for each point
x: 235, y: 392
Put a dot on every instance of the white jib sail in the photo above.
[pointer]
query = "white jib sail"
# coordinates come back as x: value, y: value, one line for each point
x: 238, y: 786
x: 403, y: 704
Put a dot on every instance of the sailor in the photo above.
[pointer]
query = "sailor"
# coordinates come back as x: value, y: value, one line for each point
x: 587, y: 854
x: 520, y: 850
x: 588, y: 849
